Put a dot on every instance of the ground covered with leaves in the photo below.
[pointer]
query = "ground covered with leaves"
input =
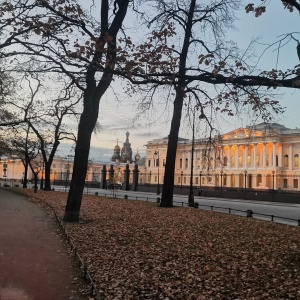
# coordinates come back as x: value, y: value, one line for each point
x: 137, y: 250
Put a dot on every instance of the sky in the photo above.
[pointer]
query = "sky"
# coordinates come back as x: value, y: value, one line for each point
x: 116, y: 117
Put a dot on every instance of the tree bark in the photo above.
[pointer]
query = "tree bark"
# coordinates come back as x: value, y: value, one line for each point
x: 92, y: 96
x: 167, y: 193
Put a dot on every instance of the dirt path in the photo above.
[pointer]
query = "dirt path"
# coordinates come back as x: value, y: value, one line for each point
x: 34, y: 262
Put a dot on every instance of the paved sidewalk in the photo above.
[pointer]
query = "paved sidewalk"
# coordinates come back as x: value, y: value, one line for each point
x: 34, y: 261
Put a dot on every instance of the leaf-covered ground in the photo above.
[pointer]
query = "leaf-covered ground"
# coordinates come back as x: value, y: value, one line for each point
x: 136, y: 250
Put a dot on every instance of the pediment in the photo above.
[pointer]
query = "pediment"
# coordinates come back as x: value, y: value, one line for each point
x: 241, y: 133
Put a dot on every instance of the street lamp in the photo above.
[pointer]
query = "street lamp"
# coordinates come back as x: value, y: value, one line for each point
x: 273, y: 175
x: 200, y: 174
x: 181, y: 174
x: 221, y: 174
x: 191, y: 194
x: 157, y: 162
x: 245, y: 172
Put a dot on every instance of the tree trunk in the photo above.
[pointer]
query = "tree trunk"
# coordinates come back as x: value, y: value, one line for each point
x: 92, y: 96
x: 35, y: 182
x: 168, y: 186
x: 85, y: 130
x: 167, y: 193
x: 47, y: 183
x: 25, y: 180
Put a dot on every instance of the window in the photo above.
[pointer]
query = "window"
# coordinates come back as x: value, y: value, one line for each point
x: 186, y: 163
x: 196, y: 180
x: 204, y: 163
x: 257, y: 160
x: 259, y: 180
x: 286, y: 161
x: 218, y: 160
x: 149, y: 162
x: 240, y: 161
x: 178, y: 179
x: 211, y: 162
x: 224, y: 179
x: 296, y: 161
x: 155, y: 178
x: 232, y: 161
x: 225, y: 161
x: 184, y: 179
x: 232, y: 180
x: 295, y: 183
x: 285, y: 183
x: 180, y: 163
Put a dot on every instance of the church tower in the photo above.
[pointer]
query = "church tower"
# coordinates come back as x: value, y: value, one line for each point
x: 116, y: 156
x: 126, y: 152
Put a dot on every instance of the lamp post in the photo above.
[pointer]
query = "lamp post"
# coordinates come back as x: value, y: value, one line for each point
x: 157, y: 162
x: 181, y: 174
x: 200, y: 175
x: 245, y: 172
x: 221, y: 174
x: 273, y: 186
x: 191, y: 194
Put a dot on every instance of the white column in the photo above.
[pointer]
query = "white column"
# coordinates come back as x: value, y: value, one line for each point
x: 237, y: 157
x: 264, y: 155
x: 246, y: 156
x: 290, y: 156
x: 254, y: 156
x: 229, y: 157
x: 280, y: 155
x: 274, y: 155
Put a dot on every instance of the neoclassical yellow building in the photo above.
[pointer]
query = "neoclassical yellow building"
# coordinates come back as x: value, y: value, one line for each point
x: 261, y: 157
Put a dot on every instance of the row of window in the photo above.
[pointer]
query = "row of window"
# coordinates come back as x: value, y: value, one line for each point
x: 210, y: 161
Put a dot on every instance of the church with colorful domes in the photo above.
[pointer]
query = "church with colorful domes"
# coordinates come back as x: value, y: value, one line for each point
x: 124, y: 155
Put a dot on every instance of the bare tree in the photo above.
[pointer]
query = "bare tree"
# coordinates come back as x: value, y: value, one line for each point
x: 65, y: 39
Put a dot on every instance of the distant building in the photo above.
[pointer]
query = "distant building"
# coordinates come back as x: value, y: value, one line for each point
x: 126, y: 152
x: 262, y: 156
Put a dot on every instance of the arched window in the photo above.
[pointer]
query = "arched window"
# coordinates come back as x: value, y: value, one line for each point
x: 259, y: 181
x: 232, y: 161
x: 257, y: 160
x: 218, y: 161
x: 211, y: 162
x: 224, y: 179
x: 241, y: 180
x: 240, y: 161
x: 233, y: 180
x: 186, y: 163
x: 296, y: 161
x: 285, y: 161
x: 225, y: 161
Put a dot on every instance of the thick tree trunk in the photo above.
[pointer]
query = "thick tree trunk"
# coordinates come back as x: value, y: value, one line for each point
x: 47, y: 185
x: 167, y: 193
x: 85, y: 129
x: 92, y: 96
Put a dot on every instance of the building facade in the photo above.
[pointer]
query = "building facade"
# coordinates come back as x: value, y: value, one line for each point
x: 258, y: 157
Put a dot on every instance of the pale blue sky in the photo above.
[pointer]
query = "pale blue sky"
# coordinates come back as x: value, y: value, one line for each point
x: 117, y: 118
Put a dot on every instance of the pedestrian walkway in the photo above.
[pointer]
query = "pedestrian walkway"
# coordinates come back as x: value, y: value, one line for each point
x: 34, y: 261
